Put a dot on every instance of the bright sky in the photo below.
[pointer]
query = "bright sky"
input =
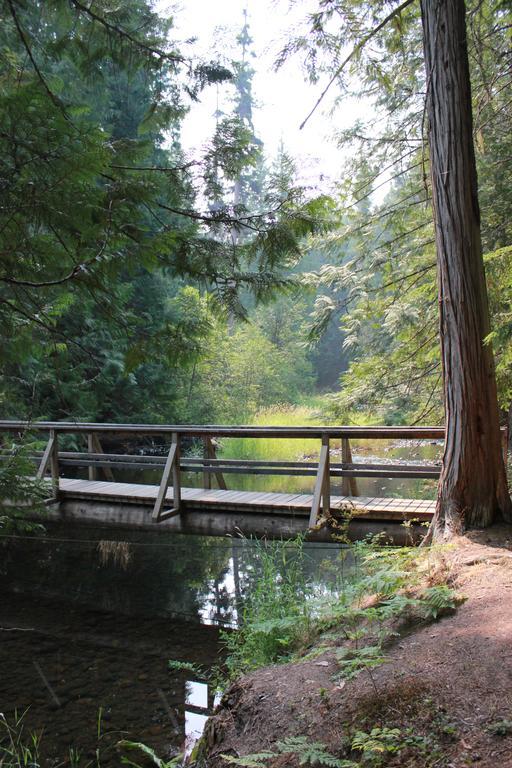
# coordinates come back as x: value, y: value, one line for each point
x: 282, y: 99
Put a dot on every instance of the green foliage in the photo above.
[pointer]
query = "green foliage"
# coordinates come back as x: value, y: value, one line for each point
x: 352, y: 661
x: 307, y: 752
x: 377, y: 745
x: 21, y: 496
x: 438, y: 600
x: 500, y: 727
x: 276, y: 615
x: 185, y: 666
x: 18, y: 749
x: 377, y: 276
x: 282, y: 616
x: 113, y: 280
x: 137, y: 746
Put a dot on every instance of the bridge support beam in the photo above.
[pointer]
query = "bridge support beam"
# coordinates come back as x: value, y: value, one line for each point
x: 51, y: 457
x: 94, y: 446
x: 172, y: 467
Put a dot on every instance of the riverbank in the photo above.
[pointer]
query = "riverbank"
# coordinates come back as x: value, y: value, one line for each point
x: 441, y: 697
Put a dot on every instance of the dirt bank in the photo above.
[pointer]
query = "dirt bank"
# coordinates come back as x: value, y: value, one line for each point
x: 446, y: 686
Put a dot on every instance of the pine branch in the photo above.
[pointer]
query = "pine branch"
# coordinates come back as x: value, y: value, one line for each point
x: 34, y: 63
x: 124, y: 34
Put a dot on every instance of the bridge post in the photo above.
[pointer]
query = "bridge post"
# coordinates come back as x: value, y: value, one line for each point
x: 211, y: 453
x: 92, y: 473
x: 348, y: 484
x: 322, y: 490
x: 207, y: 478
x: 94, y: 446
x: 54, y: 462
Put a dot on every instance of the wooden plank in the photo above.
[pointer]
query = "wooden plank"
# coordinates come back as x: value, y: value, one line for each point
x: 247, y: 501
x: 54, y: 463
x: 207, y: 480
x: 326, y: 484
x: 345, y: 484
x: 91, y: 470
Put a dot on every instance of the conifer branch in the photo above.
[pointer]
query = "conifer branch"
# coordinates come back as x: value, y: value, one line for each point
x: 355, y: 50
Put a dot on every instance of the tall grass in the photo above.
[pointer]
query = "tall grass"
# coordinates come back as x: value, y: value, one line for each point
x: 277, y: 449
x: 18, y: 748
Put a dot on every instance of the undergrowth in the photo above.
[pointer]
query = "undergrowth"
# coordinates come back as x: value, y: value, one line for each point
x: 283, y: 618
x: 21, y: 495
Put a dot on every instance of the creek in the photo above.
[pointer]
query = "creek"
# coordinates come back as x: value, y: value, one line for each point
x: 88, y: 624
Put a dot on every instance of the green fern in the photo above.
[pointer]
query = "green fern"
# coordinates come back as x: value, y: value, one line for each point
x: 185, y: 666
x: 309, y: 753
x: 438, y: 600
x: 174, y: 762
x: 374, y: 746
x: 352, y: 661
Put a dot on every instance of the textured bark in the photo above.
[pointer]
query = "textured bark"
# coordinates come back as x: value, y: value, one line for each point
x: 472, y: 488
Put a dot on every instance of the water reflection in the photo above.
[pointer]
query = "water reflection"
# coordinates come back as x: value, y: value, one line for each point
x: 196, y: 696
x: 88, y: 624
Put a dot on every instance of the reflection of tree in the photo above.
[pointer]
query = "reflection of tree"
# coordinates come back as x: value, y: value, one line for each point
x: 166, y: 573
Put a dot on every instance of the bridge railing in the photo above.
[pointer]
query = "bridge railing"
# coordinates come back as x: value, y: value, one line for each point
x: 96, y: 459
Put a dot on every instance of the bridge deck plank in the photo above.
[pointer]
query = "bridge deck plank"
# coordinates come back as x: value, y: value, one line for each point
x: 247, y: 501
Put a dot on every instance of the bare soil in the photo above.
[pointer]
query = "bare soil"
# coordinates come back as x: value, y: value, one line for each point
x: 448, y: 683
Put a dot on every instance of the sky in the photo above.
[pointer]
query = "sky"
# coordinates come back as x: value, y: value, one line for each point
x: 283, y: 98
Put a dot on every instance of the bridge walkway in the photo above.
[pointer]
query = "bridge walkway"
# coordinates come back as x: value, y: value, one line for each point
x: 246, y: 501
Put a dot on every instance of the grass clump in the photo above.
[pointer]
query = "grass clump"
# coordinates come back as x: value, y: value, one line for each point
x: 276, y: 449
x: 18, y: 748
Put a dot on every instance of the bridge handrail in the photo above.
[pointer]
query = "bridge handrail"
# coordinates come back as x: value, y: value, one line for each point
x: 220, y: 430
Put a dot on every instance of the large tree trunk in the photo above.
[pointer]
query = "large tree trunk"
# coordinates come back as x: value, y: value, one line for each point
x: 473, y: 487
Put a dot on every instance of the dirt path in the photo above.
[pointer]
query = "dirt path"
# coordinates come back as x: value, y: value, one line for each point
x: 447, y: 686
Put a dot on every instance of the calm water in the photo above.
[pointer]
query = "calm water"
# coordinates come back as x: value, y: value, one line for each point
x: 363, y: 451
x: 88, y: 624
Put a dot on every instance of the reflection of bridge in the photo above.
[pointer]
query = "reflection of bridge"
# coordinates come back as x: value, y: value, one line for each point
x: 220, y: 510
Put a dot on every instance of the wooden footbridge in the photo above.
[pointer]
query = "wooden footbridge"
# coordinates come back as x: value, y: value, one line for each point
x: 219, y: 510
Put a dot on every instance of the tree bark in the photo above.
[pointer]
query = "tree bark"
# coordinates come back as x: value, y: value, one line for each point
x: 472, y: 488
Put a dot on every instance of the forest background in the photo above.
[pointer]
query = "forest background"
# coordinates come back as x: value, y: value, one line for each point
x: 143, y: 283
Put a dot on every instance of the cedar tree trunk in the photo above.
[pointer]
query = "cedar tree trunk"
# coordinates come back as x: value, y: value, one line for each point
x: 473, y: 487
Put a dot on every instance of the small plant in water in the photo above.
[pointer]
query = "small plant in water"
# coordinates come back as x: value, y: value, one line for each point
x: 118, y: 552
x: 18, y: 748
x: 138, y: 746
x: 21, y: 496
x: 185, y: 666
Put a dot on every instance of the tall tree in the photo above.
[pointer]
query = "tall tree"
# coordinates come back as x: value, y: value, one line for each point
x: 472, y: 487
